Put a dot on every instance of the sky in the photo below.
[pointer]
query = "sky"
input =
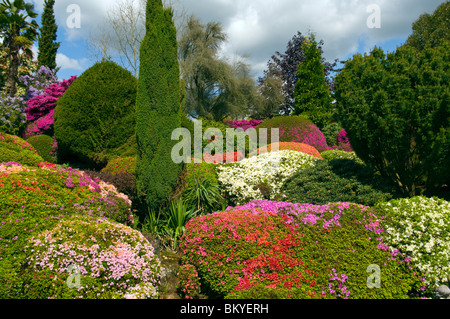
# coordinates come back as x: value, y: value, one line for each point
x: 255, y: 28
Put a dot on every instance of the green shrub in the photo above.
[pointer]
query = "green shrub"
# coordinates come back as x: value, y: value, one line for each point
x: 270, y: 249
x: 395, y: 109
x: 96, y: 115
x: 420, y: 228
x: 338, y: 154
x: 158, y: 107
x: 15, y: 149
x: 43, y: 144
x: 331, y: 132
x: 33, y: 200
x: 337, y: 181
x: 114, y: 261
x: 121, y: 165
x: 188, y: 283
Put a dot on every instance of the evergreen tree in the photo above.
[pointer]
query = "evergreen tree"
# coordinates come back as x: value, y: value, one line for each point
x: 312, y: 95
x: 157, y: 106
x: 47, y: 45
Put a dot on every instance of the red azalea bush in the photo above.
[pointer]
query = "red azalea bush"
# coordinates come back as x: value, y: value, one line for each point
x: 299, y: 147
x: 223, y: 158
x: 188, y: 283
x: 268, y: 249
x: 296, y: 129
x: 40, y: 109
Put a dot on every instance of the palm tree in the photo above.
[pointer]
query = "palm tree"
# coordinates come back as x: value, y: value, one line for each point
x: 18, y: 35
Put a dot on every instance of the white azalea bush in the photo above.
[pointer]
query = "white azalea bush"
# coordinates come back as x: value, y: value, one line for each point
x: 420, y: 228
x: 261, y: 177
x: 111, y: 261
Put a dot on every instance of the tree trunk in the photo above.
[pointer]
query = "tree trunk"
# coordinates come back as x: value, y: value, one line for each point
x: 14, y: 60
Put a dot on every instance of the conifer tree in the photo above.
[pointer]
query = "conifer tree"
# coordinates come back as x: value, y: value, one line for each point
x: 47, y: 45
x: 312, y: 95
x: 157, y: 106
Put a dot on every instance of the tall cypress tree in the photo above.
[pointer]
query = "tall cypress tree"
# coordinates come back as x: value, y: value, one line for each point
x: 47, y: 45
x: 312, y: 95
x: 157, y: 106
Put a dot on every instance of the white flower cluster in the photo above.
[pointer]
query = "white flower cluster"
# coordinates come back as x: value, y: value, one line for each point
x: 243, y: 179
x: 420, y: 227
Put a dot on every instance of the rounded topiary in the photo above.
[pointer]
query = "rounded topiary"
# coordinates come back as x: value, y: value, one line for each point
x: 96, y: 115
x: 295, y: 129
x: 113, y: 260
x: 43, y: 144
x: 15, y: 149
x: 340, y: 180
x: 338, y: 154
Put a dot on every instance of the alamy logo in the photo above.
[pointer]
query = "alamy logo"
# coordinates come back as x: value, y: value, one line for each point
x: 182, y: 151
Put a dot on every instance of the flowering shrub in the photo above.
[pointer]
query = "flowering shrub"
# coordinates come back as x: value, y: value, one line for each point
x: 188, y: 284
x: 262, y: 176
x: 343, y: 142
x: 338, y: 154
x: 268, y: 249
x: 223, y: 158
x: 15, y: 149
x: 41, y: 108
x: 12, y: 115
x: 121, y: 165
x: 299, y: 147
x: 36, y: 83
x: 244, y: 124
x: 33, y: 199
x: 114, y: 261
x: 420, y: 227
x: 296, y: 129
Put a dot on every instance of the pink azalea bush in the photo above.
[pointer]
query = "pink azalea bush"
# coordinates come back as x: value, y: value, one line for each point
x: 343, y: 142
x: 40, y: 109
x: 244, y: 124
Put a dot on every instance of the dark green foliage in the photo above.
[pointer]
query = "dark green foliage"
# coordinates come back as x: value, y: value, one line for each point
x: 396, y: 111
x: 157, y: 107
x: 331, y: 132
x: 312, y: 96
x: 15, y: 149
x: 96, y: 115
x: 432, y: 29
x: 337, y: 181
x: 47, y: 45
x: 43, y: 146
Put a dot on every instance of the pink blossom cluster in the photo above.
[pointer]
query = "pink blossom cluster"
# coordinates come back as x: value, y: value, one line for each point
x: 120, y: 258
x: 309, y: 134
x: 343, y: 142
x: 40, y: 109
x: 244, y: 124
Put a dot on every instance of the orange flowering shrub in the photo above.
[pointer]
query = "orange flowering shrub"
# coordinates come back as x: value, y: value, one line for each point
x: 293, y: 146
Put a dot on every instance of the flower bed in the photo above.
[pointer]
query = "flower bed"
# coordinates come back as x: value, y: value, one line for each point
x: 262, y: 176
x: 15, y: 149
x: 284, y: 250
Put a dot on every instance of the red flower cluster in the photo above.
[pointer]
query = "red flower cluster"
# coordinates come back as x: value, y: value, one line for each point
x: 223, y: 158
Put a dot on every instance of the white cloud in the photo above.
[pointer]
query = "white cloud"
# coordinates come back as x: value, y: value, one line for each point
x: 66, y: 63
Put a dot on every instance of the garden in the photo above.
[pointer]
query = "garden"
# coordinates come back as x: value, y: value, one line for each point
x: 350, y: 200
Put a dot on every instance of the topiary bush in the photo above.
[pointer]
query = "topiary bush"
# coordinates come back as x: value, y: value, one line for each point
x: 295, y: 129
x: 114, y: 261
x: 420, y: 227
x: 44, y: 146
x: 270, y: 249
x: 121, y: 165
x: 15, y: 149
x: 262, y: 176
x: 338, y: 181
x: 338, y: 154
x: 34, y: 199
x: 96, y: 115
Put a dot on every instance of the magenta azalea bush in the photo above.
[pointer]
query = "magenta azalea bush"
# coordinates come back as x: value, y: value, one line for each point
x: 268, y: 249
x: 41, y: 108
x: 244, y: 124
x: 343, y: 142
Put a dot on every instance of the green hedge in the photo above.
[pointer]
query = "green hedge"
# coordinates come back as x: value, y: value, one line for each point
x: 96, y: 115
x: 339, y: 180
x: 43, y: 145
